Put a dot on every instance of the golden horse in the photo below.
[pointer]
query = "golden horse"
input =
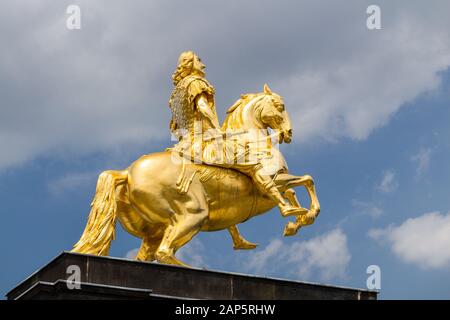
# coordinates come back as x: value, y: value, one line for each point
x: 149, y: 205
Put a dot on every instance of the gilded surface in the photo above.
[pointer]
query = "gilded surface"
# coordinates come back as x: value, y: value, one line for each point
x: 213, y: 178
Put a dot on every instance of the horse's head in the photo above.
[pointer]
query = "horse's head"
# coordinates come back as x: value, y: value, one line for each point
x: 260, y: 111
x: 272, y: 114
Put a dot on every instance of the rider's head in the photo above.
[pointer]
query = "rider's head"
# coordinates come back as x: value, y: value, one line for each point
x: 188, y: 64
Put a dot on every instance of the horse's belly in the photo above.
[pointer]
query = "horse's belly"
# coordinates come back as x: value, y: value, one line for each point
x: 232, y: 202
x: 222, y: 219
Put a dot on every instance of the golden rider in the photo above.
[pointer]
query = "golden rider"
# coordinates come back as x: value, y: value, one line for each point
x: 193, y: 113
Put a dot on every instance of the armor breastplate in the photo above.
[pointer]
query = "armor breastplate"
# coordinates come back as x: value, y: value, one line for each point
x: 181, y: 102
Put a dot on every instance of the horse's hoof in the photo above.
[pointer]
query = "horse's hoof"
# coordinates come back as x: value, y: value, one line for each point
x: 290, y: 229
x: 245, y: 245
x: 164, y: 258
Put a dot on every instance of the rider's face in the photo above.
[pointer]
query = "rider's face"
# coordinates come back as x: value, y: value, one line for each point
x: 198, y: 64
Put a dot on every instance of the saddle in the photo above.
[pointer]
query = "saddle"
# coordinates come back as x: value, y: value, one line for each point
x: 190, y: 170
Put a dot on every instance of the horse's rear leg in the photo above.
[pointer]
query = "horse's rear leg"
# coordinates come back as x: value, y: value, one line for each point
x: 190, y: 215
x: 177, y: 234
x: 149, y: 245
x: 134, y: 224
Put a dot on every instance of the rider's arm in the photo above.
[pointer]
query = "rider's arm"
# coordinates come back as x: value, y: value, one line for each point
x: 202, y: 103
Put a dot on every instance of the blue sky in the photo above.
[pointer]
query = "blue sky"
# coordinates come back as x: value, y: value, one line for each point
x: 370, y: 112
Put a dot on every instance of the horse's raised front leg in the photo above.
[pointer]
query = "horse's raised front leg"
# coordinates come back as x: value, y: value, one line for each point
x: 239, y: 243
x: 287, y: 181
x: 292, y: 228
x: 291, y: 196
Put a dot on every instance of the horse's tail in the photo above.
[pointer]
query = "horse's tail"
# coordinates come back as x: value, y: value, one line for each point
x: 100, y: 228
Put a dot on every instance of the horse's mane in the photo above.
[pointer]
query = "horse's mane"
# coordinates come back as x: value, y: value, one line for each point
x: 234, y: 112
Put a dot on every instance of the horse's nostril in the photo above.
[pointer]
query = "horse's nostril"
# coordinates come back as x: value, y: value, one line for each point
x: 290, y: 132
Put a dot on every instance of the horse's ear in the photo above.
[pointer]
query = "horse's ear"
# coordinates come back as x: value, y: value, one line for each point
x: 267, y: 89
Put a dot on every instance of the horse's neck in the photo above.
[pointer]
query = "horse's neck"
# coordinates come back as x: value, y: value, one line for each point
x: 248, y: 115
x: 243, y: 117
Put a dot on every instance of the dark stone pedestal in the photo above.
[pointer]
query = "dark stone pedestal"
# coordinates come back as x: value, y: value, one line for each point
x: 113, y: 278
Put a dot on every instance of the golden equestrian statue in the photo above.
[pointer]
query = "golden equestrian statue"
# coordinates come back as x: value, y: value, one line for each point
x: 213, y: 178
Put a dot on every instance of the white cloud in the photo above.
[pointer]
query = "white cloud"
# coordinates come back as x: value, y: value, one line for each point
x: 368, y: 208
x: 266, y: 258
x: 388, y: 182
x: 192, y: 253
x: 325, y: 256
x: 374, y: 73
x: 108, y: 84
x: 71, y: 181
x: 422, y: 160
x: 132, y: 253
x: 423, y: 241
